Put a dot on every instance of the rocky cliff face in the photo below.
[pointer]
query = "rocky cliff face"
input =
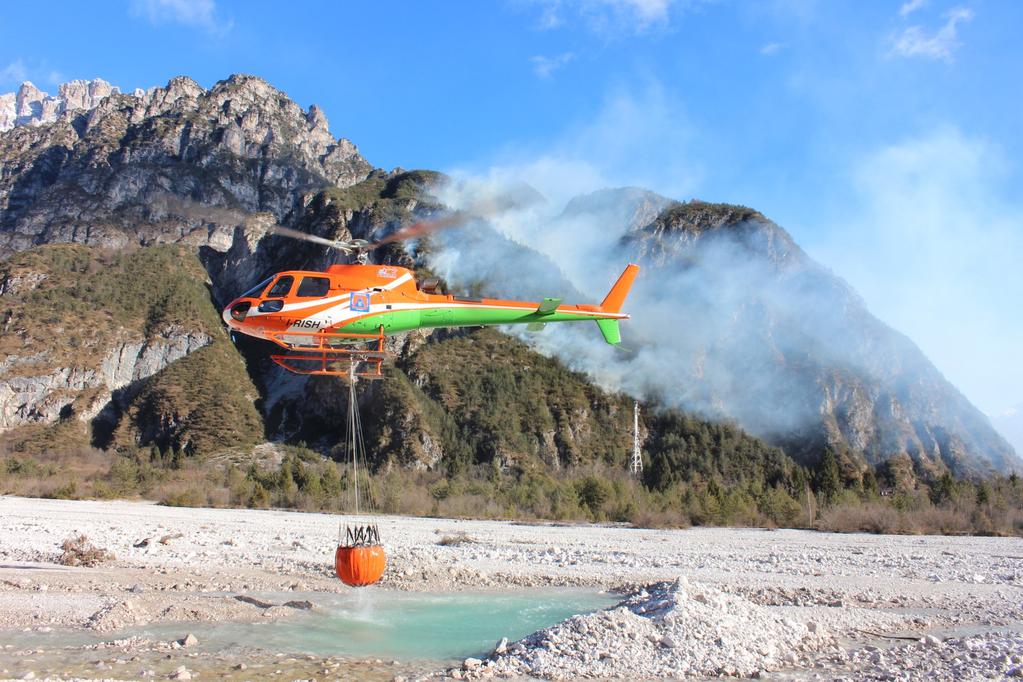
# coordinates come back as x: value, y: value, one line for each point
x: 45, y: 398
x: 209, y: 169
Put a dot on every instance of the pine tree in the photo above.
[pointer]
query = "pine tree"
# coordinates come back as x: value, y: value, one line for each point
x: 828, y: 479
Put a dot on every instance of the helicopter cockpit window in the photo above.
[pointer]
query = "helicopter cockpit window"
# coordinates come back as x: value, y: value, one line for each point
x: 281, y: 287
x: 313, y: 287
x: 255, y: 291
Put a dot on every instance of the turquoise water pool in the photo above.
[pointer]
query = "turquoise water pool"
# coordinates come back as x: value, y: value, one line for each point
x: 372, y: 622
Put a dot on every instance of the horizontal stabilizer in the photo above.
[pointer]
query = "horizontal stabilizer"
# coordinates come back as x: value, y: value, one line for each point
x: 611, y: 331
x: 535, y: 326
x: 548, y: 306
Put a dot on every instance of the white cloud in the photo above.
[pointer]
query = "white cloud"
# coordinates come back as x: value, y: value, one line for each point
x: 645, y: 12
x: 911, y: 6
x: 915, y: 41
x: 933, y: 246
x: 201, y: 14
x: 771, y: 49
x: 550, y: 15
x: 544, y: 67
x: 14, y: 73
x: 641, y: 136
x: 608, y: 17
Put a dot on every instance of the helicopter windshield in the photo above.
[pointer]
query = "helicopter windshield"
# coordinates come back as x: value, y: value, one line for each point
x: 281, y: 287
x: 255, y: 291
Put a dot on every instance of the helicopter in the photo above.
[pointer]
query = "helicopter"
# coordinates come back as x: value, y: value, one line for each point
x: 322, y: 318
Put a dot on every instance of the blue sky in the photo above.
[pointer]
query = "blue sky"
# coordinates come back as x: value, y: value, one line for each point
x: 885, y: 136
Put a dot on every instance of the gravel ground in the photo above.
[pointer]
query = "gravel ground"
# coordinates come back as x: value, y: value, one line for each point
x: 705, y: 602
x: 672, y: 629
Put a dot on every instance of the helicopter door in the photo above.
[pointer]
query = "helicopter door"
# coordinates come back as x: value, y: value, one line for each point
x: 313, y: 287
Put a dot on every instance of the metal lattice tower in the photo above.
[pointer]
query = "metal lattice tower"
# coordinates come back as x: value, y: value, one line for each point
x: 636, y: 465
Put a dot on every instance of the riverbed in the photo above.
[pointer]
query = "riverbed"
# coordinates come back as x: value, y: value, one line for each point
x: 836, y: 600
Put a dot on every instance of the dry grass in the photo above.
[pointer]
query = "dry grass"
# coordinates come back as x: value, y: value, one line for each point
x: 73, y: 474
x: 668, y: 518
x: 878, y: 517
x: 459, y: 538
x: 78, y: 551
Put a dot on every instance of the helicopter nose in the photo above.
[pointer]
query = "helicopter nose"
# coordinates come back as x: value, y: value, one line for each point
x: 236, y: 312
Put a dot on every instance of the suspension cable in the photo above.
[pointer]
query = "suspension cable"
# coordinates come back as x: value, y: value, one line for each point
x: 353, y: 419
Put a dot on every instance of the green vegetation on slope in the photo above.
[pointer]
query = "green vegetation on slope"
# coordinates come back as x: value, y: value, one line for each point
x: 506, y: 404
x: 200, y: 404
x: 488, y: 426
x: 86, y: 300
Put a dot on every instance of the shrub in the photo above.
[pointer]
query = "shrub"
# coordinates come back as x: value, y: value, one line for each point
x: 667, y: 518
x: 459, y: 538
x: 68, y: 491
x: 184, y: 497
x: 78, y: 551
x: 593, y: 493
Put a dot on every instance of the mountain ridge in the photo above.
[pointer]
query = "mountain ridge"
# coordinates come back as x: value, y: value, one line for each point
x: 195, y: 167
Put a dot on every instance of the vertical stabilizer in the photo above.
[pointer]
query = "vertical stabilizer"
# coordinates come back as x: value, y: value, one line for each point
x: 616, y: 297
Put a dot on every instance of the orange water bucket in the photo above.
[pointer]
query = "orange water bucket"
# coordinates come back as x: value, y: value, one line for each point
x: 360, y: 565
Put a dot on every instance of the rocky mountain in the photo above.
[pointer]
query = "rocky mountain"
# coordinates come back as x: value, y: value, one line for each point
x: 173, y: 164
x: 770, y: 338
x: 1010, y: 425
x: 31, y: 106
x: 126, y: 223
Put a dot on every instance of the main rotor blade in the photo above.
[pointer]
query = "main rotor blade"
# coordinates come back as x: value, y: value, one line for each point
x: 484, y: 207
x: 420, y: 228
x: 296, y: 234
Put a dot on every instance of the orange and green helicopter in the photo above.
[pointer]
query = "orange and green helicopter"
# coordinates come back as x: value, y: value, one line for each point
x: 344, y: 313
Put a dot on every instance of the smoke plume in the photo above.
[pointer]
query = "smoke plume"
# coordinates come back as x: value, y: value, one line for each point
x: 730, y: 319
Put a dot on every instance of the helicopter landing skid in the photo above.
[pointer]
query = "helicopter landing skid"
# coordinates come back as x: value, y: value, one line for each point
x: 331, y: 353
